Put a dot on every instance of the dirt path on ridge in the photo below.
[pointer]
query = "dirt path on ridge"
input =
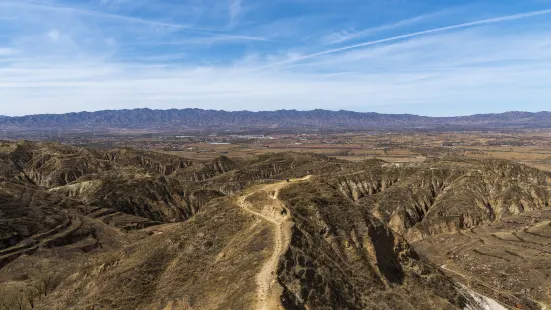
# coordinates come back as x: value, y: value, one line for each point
x: 268, y: 290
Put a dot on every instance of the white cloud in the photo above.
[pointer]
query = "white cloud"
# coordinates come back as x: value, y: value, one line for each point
x: 53, y: 35
x: 101, y: 85
x: 7, y: 51
x: 439, y: 52
x: 97, y: 64
x: 23, y: 5
x: 415, y: 34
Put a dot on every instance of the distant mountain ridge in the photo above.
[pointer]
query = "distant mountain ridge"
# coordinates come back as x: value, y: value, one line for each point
x: 198, y: 118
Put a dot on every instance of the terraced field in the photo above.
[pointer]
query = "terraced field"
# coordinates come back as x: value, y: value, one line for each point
x: 509, y: 259
x: 119, y: 219
x: 55, y: 237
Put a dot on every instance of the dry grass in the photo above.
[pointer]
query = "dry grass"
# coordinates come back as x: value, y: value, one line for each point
x: 510, y: 260
x: 402, y: 147
x: 210, y: 260
x: 213, y: 258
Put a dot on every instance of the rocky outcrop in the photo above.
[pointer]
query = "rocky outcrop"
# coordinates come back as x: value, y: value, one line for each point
x: 207, y: 170
x: 341, y: 257
x: 158, y: 199
x: 432, y: 198
x: 151, y: 162
x: 86, y: 210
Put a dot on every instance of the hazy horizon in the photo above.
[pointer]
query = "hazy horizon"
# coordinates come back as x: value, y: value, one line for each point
x: 259, y: 111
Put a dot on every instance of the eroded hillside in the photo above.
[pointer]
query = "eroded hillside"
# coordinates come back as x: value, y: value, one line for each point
x: 420, y: 200
x: 342, y: 257
x: 141, y: 230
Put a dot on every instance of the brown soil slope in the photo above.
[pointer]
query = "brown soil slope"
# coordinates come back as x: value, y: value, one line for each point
x: 420, y: 200
x: 127, y: 229
x: 342, y: 257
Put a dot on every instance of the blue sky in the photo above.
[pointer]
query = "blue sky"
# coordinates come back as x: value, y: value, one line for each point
x: 428, y: 57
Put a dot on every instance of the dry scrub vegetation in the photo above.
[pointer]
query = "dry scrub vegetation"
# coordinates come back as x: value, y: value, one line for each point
x: 127, y: 229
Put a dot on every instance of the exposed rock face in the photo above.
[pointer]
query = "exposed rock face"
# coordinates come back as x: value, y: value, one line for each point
x: 48, y: 164
x: 341, y: 257
x: 150, y: 162
x: 91, y: 211
x: 157, y: 198
x: 426, y: 199
x: 158, y: 187
x: 138, y: 183
x: 205, y: 171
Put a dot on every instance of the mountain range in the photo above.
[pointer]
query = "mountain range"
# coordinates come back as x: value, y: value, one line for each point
x: 198, y: 118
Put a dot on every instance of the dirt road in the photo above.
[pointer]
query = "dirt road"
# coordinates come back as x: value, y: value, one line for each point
x: 268, y: 290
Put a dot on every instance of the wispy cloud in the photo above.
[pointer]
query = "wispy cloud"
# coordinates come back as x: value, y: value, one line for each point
x: 7, y: 51
x: 217, y: 88
x: 426, y: 70
x: 209, y: 40
x: 142, y: 54
x: 343, y: 36
x: 415, y: 34
x: 121, y: 18
x: 93, y: 13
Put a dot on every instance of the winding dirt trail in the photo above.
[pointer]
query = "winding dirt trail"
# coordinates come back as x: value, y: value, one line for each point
x: 268, y: 290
